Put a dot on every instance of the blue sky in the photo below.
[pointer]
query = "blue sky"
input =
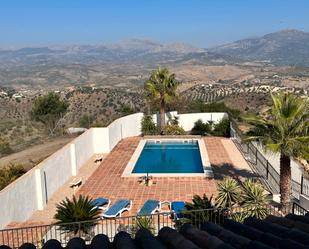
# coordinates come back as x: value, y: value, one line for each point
x: 203, y: 23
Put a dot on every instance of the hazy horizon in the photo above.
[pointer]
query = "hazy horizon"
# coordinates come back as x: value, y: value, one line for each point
x: 54, y: 46
x: 203, y: 24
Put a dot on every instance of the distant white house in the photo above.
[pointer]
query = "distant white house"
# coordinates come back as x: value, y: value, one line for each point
x: 16, y: 96
x: 74, y: 130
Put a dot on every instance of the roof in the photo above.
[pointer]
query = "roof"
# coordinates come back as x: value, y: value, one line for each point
x: 273, y: 232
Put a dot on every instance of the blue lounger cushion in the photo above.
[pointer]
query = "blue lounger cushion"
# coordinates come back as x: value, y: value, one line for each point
x: 177, y: 207
x: 117, y: 208
x: 99, y: 202
x: 148, y: 207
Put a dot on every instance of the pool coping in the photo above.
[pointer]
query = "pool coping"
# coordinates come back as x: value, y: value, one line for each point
x: 203, y: 153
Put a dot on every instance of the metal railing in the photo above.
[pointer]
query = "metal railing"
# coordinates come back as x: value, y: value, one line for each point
x: 266, y: 172
x: 304, y: 188
x: 38, y: 235
x: 299, y: 210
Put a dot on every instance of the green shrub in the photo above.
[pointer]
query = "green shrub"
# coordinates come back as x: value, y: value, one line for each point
x: 222, y: 128
x: 239, y: 216
x: 199, y: 203
x: 4, y: 146
x: 174, y: 120
x: 247, y: 199
x: 98, y: 124
x: 49, y: 110
x: 201, y: 128
x: 200, y: 106
x: 126, y: 110
x: 86, y: 121
x: 148, y: 126
x: 229, y: 193
x: 254, y: 200
x: 200, y: 210
x: 77, y: 210
x: 142, y: 222
x: 10, y: 173
x: 173, y: 130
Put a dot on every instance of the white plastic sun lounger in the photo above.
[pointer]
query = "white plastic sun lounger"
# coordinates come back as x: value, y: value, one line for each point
x: 118, y: 208
x: 101, y: 203
x: 151, y: 207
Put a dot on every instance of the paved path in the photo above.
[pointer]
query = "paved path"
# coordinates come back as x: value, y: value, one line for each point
x: 226, y: 160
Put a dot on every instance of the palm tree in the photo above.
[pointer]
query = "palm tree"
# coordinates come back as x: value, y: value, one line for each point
x: 161, y: 86
x: 285, y: 131
x: 77, y: 215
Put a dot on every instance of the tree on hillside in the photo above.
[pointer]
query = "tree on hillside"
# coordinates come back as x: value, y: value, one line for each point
x: 4, y: 146
x: 10, y: 173
x: 285, y: 131
x: 49, y: 110
x: 161, y: 86
x: 86, y: 121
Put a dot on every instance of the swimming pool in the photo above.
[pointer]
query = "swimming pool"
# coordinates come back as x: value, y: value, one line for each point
x: 170, y: 157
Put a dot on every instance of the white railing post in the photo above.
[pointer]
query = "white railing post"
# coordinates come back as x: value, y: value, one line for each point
x: 39, y: 189
x: 73, y: 159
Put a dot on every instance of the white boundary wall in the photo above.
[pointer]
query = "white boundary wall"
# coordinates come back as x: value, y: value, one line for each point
x: 19, y: 200
x: 274, y: 160
x: 187, y: 120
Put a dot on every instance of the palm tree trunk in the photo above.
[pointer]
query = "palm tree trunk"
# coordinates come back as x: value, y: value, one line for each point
x: 162, y: 114
x: 285, y: 180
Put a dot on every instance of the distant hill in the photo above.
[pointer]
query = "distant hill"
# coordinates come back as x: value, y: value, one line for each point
x: 134, y: 51
x: 286, y: 47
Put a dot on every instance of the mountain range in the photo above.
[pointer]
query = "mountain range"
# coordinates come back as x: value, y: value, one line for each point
x: 286, y: 47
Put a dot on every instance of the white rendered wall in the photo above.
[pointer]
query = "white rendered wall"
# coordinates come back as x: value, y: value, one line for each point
x: 55, y: 171
x: 100, y: 138
x: 18, y: 201
x: 186, y: 121
x: 84, y: 147
x: 127, y: 126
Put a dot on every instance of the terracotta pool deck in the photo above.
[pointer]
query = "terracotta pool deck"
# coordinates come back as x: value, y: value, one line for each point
x: 107, y: 182
x: 104, y: 179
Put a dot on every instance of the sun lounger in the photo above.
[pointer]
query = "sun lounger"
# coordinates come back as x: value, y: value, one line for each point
x: 118, y: 208
x: 101, y: 203
x: 75, y: 183
x: 150, y: 207
x: 177, y: 207
x: 98, y: 159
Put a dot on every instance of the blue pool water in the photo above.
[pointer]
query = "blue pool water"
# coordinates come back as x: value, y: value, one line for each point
x: 169, y: 157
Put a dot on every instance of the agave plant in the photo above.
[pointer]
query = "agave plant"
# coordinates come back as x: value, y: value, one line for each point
x: 255, y: 201
x: 200, y: 210
x: 77, y: 210
x: 142, y: 222
x: 239, y: 216
x: 229, y: 193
